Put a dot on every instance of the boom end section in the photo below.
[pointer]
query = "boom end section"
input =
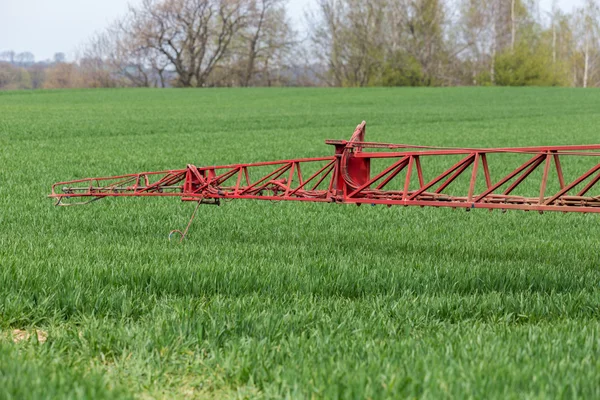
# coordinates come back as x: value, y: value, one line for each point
x: 163, y: 183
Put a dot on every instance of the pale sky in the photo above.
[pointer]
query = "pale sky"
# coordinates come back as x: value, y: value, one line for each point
x: 45, y: 27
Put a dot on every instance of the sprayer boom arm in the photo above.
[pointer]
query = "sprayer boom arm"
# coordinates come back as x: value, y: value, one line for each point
x: 348, y: 176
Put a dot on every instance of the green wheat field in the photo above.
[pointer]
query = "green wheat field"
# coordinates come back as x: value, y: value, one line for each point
x: 288, y: 300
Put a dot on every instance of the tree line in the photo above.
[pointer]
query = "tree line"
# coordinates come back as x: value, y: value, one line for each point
x: 204, y: 43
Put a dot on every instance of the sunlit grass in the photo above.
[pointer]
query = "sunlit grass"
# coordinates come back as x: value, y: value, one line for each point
x: 288, y: 299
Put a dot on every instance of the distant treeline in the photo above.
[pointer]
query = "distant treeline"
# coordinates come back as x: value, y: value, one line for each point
x: 202, y: 43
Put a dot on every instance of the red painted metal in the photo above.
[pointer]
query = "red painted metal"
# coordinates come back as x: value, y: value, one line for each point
x: 347, y: 177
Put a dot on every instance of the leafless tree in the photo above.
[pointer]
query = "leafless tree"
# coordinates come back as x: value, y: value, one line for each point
x: 193, y: 35
x: 25, y: 58
x: 59, y: 58
x: 348, y: 37
x: 266, y: 35
x: 8, y: 56
x: 587, y: 25
x: 477, y: 26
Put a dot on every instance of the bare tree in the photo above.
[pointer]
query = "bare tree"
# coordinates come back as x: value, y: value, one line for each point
x: 477, y: 31
x: 348, y: 37
x: 129, y: 61
x: 513, y: 24
x: 62, y: 75
x: 193, y: 35
x: 561, y: 43
x: 37, y: 72
x: 25, y: 58
x: 586, y: 25
x: 8, y: 56
x: 590, y: 39
x: 59, y: 58
x: 267, y: 33
x: 326, y: 26
x: 554, y: 15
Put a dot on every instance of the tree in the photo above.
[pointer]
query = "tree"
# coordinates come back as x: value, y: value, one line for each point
x: 560, y: 41
x: 116, y: 53
x: 37, y: 72
x: 348, y: 37
x: 266, y: 35
x: 94, y: 73
x: 189, y: 43
x: 25, y: 58
x: 59, y: 58
x: 62, y: 75
x: 419, y: 33
x: 9, y: 76
x: 326, y: 30
x: 193, y: 35
x: 477, y: 30
x: 590, y: 23
x: 8, y: 56
x: 528, y: 63
x: 505, y: 35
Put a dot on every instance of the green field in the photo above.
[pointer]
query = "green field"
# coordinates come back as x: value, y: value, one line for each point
x: 298, y: 300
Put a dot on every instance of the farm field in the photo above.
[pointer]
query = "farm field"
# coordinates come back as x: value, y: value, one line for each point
x: 297, y: 300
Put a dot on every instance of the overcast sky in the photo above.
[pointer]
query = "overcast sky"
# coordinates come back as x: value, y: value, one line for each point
x: 45, y: 27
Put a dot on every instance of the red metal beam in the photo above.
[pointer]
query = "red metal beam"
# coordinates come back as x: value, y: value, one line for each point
x: 347, y: 177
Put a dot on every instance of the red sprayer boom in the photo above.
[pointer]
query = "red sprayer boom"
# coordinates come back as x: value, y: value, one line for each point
x: 348, y: 177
